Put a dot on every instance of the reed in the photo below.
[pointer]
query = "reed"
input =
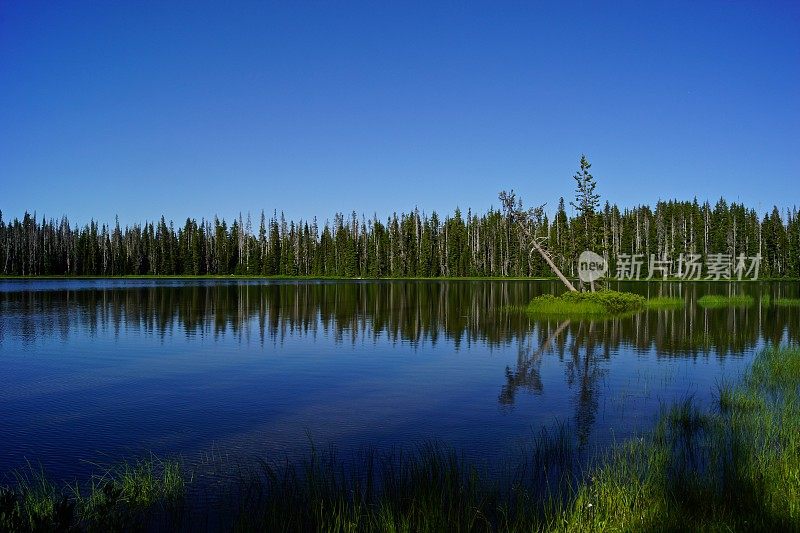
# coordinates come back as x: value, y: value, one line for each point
x: 717, y: 301
x: 787, y: 302
x: 665, y: 302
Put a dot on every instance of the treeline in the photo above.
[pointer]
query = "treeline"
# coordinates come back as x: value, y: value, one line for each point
x: 405, y: 245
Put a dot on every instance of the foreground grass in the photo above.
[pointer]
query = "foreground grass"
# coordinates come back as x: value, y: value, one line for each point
x: 131, y: 496
x: 716, y: 301
x: 732, y: 467
x: 787, y: 302
x: 580, y: 304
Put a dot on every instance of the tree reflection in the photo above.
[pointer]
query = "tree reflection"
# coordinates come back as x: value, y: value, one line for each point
x: 526, y: 376
x: 463, y: 312
x: 584, y: 369
x: 414, y: 312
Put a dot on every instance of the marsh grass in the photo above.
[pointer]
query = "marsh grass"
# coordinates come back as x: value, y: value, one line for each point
x: 130, y: 496
x: 716, y: 301
x: 787, y: 302
x: 586, y: 304
x: 554, y: 305
x: 731, y: 466
x: 665, y: 302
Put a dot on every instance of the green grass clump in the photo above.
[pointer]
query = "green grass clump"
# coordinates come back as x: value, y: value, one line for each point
x: 776, y: 369
x: 665, y: 302
x: 603, y: 302
x: 135, y: 496
x: 787, y: 302
x: 731, y: 398
x: 716, y: 301
x: 554, y: 305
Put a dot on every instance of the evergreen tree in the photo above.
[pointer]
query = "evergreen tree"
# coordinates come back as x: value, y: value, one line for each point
x: 586, y: 200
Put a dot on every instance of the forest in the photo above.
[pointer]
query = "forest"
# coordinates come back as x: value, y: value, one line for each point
x: 409, y: 244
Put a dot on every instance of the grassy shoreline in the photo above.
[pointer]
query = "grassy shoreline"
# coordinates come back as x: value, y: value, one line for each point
x: 367, y: 278
x: 734, y: 466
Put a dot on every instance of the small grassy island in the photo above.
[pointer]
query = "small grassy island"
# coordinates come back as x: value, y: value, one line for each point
x: 718, y: 301
x: 587, y: 304
x: 665, y: 302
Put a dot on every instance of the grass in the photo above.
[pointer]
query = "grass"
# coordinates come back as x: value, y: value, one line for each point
x: 131, y: 496
x: 372, y: 278
x: 717, y: 301
x: 665, y: 302
x: 735, y: 467
x: 731, y: 466
x: 787, y: 302
x: 580, y: 304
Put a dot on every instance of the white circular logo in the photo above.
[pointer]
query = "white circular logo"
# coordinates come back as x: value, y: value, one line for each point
x: 591, y: 266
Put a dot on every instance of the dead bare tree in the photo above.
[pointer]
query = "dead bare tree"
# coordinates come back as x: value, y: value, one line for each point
x: 529, y: 220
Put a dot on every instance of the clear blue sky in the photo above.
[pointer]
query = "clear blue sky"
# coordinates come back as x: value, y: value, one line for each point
x: 196, y: 109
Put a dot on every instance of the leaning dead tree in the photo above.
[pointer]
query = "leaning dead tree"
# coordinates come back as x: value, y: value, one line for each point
x: 529, y: 220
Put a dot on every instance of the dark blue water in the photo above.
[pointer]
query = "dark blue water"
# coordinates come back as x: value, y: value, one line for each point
x: 95, y: 371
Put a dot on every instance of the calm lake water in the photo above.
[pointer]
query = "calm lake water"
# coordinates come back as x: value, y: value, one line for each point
x: 93, y: 371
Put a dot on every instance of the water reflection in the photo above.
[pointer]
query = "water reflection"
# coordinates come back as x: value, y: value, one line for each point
x: 413, y: 312
x: 527, y: 376
x: 257, y: 365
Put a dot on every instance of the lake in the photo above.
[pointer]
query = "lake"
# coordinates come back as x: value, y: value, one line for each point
x: 95, y: 371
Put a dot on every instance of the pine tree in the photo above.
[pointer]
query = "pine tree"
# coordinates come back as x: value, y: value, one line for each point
x: 586, y: 200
